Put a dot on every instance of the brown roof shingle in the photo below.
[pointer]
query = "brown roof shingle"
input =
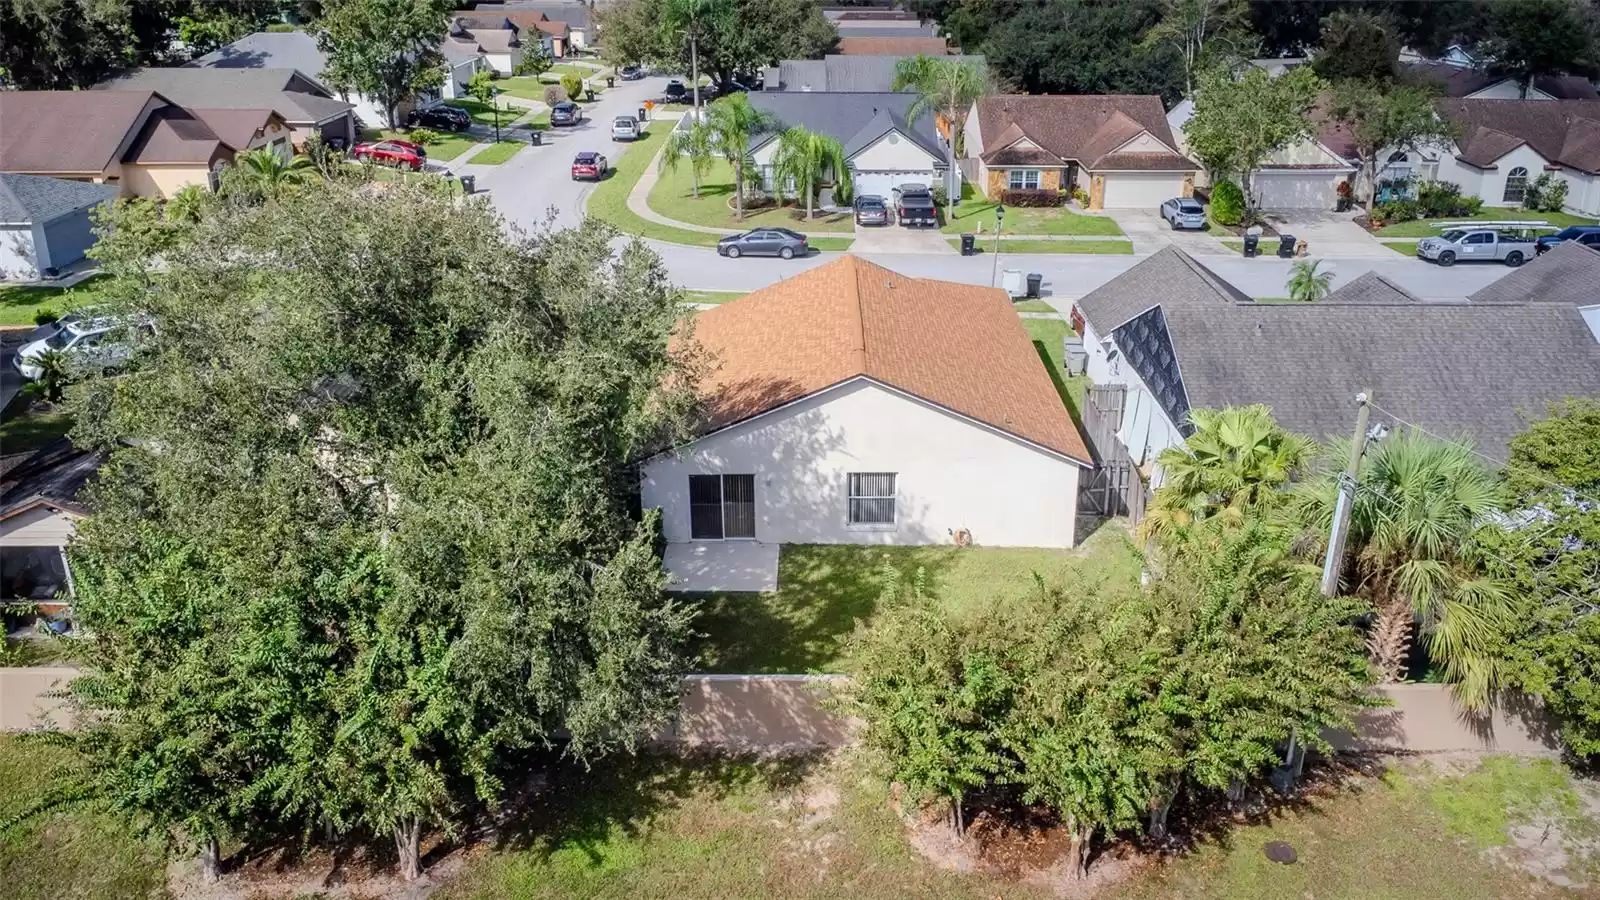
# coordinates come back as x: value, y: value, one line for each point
x: 1086, y: 127
x: 958, y: 346
x: 66, y: 132
x: 1560, y: 130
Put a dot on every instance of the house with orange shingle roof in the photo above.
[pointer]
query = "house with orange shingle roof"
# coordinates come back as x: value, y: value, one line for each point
x: 853, y: 404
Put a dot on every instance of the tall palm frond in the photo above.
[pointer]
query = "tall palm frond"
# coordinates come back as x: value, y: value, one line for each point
x: 269, y: 174
x: 946, y: 88
x: 805, y: 157
x: 1307, y: 284
x: 693, y: 144
x: 734, y: 123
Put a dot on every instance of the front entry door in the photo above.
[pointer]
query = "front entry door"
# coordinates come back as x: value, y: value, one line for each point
x: 722, y: 507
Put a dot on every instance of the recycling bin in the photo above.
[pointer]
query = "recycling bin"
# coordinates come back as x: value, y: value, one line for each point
x: 535, y: 137
x: 1252, y: 245
x: 468, y: 183
x: 1286, y: 244
x: 969, y: 244
x: 1034, y: 281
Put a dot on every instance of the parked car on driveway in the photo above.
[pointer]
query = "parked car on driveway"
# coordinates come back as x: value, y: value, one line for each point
x: 1184, y: 212
x: 676, y: 92
x: 391, y: 153
x: 440, y: 118
x: 566, y: 113
x: 1478, y: 244
x: 871, y: 210
x: 624, y: 128
x: 631, y: 73
x: 1587, y: 235
x: 914, y: 206
x: 589, y: 166
x: 779, y: 242
x: 88, y: 343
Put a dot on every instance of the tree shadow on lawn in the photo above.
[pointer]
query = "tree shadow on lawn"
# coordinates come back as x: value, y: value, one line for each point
x: 772, y: 215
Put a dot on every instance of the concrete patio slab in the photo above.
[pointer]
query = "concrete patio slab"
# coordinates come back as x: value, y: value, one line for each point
x: 722, y: 566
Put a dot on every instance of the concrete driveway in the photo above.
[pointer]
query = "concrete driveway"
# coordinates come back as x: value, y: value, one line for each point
x: 1328, y: 235
x: 894, y: 239
x: 1150, y: 233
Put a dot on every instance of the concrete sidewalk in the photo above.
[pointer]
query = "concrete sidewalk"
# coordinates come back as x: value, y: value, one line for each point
x: 639, y: 196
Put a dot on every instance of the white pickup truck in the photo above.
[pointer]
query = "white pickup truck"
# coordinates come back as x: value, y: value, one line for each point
x: 1509, y: 242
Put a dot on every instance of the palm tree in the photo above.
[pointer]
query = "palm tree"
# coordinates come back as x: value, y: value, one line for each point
x: 1307, y: 284
x: 1237, y: 464
x: 733, y: 123
x: 694, y: 142
x: 803, y: 157
x: 187, y: 205
x: 1418, y: 504
x: 269, y: 174
x: 688, y: 17
x: 947, y: 88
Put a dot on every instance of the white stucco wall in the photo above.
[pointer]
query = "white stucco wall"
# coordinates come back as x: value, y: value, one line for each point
x: 894, y: 152
x: 951, y: 473
x: 1146, y: 430
x: 1583, y: 192
x: 37, y: 527
x: 1508, y: 90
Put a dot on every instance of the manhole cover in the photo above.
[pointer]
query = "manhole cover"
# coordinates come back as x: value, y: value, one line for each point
x: 1280, y: 852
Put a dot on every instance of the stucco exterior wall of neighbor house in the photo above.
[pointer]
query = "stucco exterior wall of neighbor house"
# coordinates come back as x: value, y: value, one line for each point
x: 1490, y: 184
x: 38, y: 527
x: 951, y: 473
x: 64, y: 240
x: 1583, y: 192
x: 163, y: 181
x: 19, y: 261
x: 893, y: 152
x: 504, y: 63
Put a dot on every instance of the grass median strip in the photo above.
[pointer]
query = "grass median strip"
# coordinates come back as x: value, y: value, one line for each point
x: 608, y: 201
x: 717, y: 297
x: 1027, y: 246
x: 495, y: 154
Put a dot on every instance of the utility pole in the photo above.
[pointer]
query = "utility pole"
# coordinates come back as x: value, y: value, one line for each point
x: 1347, y: 497
x: 999, y: 219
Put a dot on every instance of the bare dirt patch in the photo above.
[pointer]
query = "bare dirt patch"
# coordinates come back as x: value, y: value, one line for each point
x: 343, y: 874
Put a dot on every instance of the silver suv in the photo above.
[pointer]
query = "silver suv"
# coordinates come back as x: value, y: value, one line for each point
x: 624, y: 128
x: 1184, y: 212
x: 88, y: 344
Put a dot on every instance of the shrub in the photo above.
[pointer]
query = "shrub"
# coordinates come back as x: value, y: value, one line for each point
x: 1227, y: 203
x: 1470, y: 206
x: 1398, y: 211
x: 1547, y: 193
x: 1022, y: 197
x: 554, y: 94
x: 1080, y: 195
x: 941, y: 197
x: 280, y: 28
x: 44, y: 315
x: 1439, y: 199
x: 573, y: 85
x: 423, y: 136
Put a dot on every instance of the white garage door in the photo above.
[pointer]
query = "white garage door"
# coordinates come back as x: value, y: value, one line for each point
x: 1294, y: 190
x: 881, y: 183
x: 1141, y: 190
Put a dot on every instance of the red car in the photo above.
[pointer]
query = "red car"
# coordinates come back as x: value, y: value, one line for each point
x: 391, y: 153
x: 589, y: 164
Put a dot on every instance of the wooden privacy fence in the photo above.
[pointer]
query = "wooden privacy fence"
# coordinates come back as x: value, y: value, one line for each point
x: 1114, y: 487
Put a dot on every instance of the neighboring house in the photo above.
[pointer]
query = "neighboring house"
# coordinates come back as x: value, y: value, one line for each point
x: 1116, y: 147
x: 1177, y: 337
x: 497, y: 41
x: 46, y: 224
x: 569, y: 21
x: 854, y: 405
x: 141, y: 141
x: 840, y: 74
x: 882, y: 147
x: 1467, y: 83
x: 39, y: 512
x: 1304, y: 175
x: 305, y: 105
x: 461, y: 63
x: 298, y: 50
x: 1505, y: 144
x: 893, y: 46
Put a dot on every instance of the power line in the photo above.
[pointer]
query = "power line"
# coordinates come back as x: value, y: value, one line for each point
x: 1503, y: 464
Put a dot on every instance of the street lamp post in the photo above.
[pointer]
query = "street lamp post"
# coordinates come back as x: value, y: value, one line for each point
x: 999, y: 218
x: 494, y: 99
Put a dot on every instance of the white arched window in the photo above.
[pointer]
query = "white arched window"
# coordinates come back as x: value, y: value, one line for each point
x: 1516, y: 185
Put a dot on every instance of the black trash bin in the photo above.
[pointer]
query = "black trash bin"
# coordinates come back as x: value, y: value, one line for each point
x: 588, y: 94
x: 468, y: 182
x: 610, y: 82
x: 1286, y: 244
x: 643, y: 114
x: 969, y: 244
x: 1252, y: 244
x: 1034, y: 280
x: 535, y: 137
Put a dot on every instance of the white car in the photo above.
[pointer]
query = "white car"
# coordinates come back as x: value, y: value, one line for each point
x: 624, y: 128
x: 88, y: 343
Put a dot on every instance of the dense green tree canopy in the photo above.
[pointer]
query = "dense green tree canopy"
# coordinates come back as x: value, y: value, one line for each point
x: 1356, y: 46
x: 733, y: 37
x: 363, y: 531
x: 1066, y: 47
x: 386, y: 49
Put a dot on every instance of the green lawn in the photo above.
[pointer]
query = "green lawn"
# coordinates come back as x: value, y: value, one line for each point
x: 484, y: 113
x: 673, y: 197
x: 1048, y: 335
x: 824, y: 589
x: 444, y: 148
x: 76, y: 855
x: 1425, y: 227
x: 25, y: 432
x: 18, y: 304
x: 1023, y: 245
x: 1033, y: 306
x: 609, y: 199
x: 495, y: 154
x: 711, y: 296
x: 976, y: 214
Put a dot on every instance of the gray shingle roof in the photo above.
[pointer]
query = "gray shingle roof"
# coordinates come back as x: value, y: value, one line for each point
x: 268, y: 50
x: 27, y: 199
x: 855, y: 120
x: 270, y: 88
x: 837, y: 73
x: 54, y: 474
x: 1568, y: 273
x: 1370, y: 287
x: 1475, y: 370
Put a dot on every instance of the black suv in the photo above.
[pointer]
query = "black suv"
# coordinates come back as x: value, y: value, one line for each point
x: 676, y: 92
x: 440, y: 118
x: 914, y: 206
x: 1587, y: 235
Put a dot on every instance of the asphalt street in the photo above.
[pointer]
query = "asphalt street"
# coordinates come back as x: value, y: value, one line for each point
x: 535, y: 188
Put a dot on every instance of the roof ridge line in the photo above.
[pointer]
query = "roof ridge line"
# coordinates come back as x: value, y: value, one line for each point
x: 860, y: 350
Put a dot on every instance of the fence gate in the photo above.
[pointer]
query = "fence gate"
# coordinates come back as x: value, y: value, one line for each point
x: 1114, y: 487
